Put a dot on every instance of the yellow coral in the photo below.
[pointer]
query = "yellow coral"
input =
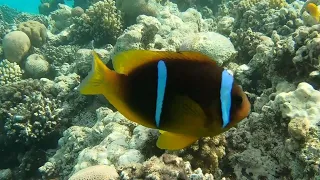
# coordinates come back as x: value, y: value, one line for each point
x: 247, y: 4
x: 277, y: 4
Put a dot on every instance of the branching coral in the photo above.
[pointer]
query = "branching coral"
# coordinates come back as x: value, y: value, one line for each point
x: 166, y: 166
x: 9, y: 72
x: 307, y: 55
x: 29, y: 111
x: 58, y: 55
x: 102, y: 23
x: 205, y: 153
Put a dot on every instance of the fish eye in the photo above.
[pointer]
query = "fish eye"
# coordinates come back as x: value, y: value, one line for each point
x: 237, y: 100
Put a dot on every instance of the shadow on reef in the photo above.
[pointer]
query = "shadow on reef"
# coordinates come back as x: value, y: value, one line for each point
x: 25, y: 160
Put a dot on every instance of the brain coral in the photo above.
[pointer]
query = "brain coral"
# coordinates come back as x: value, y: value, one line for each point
x: 36, y: 31
x: 98, y: 172
x: 15, y: 45
x: 36, y: 66
x: 102, y: 22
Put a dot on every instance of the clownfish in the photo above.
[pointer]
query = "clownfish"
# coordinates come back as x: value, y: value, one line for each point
x: 185, y: 95
x: 313, y: 10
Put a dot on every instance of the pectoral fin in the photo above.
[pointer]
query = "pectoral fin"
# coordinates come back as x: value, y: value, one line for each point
x: 187, y: 114
x: 172, y: 141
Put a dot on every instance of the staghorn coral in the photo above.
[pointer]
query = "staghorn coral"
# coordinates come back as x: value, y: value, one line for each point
x: 102, y: 23
x: 9, y: 72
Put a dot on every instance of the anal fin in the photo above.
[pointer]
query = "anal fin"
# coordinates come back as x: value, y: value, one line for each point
x: 172, y: 141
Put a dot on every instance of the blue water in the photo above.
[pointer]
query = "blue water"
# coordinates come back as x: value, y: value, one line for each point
x: 30, y: 6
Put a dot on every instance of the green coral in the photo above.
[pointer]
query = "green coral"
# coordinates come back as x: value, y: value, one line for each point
x: 102, y: 23
x: 9, y: 72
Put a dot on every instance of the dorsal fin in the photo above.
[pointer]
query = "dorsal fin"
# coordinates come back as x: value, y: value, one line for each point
x: 127, y: 61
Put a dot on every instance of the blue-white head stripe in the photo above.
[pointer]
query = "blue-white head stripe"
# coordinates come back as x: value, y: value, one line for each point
x: 225, y: 96
x: 162, y: 80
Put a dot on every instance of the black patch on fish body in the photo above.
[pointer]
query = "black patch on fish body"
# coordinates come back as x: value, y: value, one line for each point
x: 199, y: 81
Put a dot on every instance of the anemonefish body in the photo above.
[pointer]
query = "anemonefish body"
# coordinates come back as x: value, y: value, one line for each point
x: 185, y: 95
x: 313, y: 11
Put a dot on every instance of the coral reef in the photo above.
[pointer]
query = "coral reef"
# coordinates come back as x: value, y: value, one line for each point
x: 140, y: 7
x: 36, y: 31
x: 167, y: 166
x: 102, y: 22
x: 61, y: 18
x: 9, y: 72
x: 49, y: 131
x: 101, y: 172
x: 8, y: 13
x: 112, y: 140
x: 279, y: 139
x: 36, y: 66
x: 15, y: 45
x: 214, y: 45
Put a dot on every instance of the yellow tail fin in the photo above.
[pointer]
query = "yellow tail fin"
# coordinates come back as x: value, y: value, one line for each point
x: 100, y: 79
